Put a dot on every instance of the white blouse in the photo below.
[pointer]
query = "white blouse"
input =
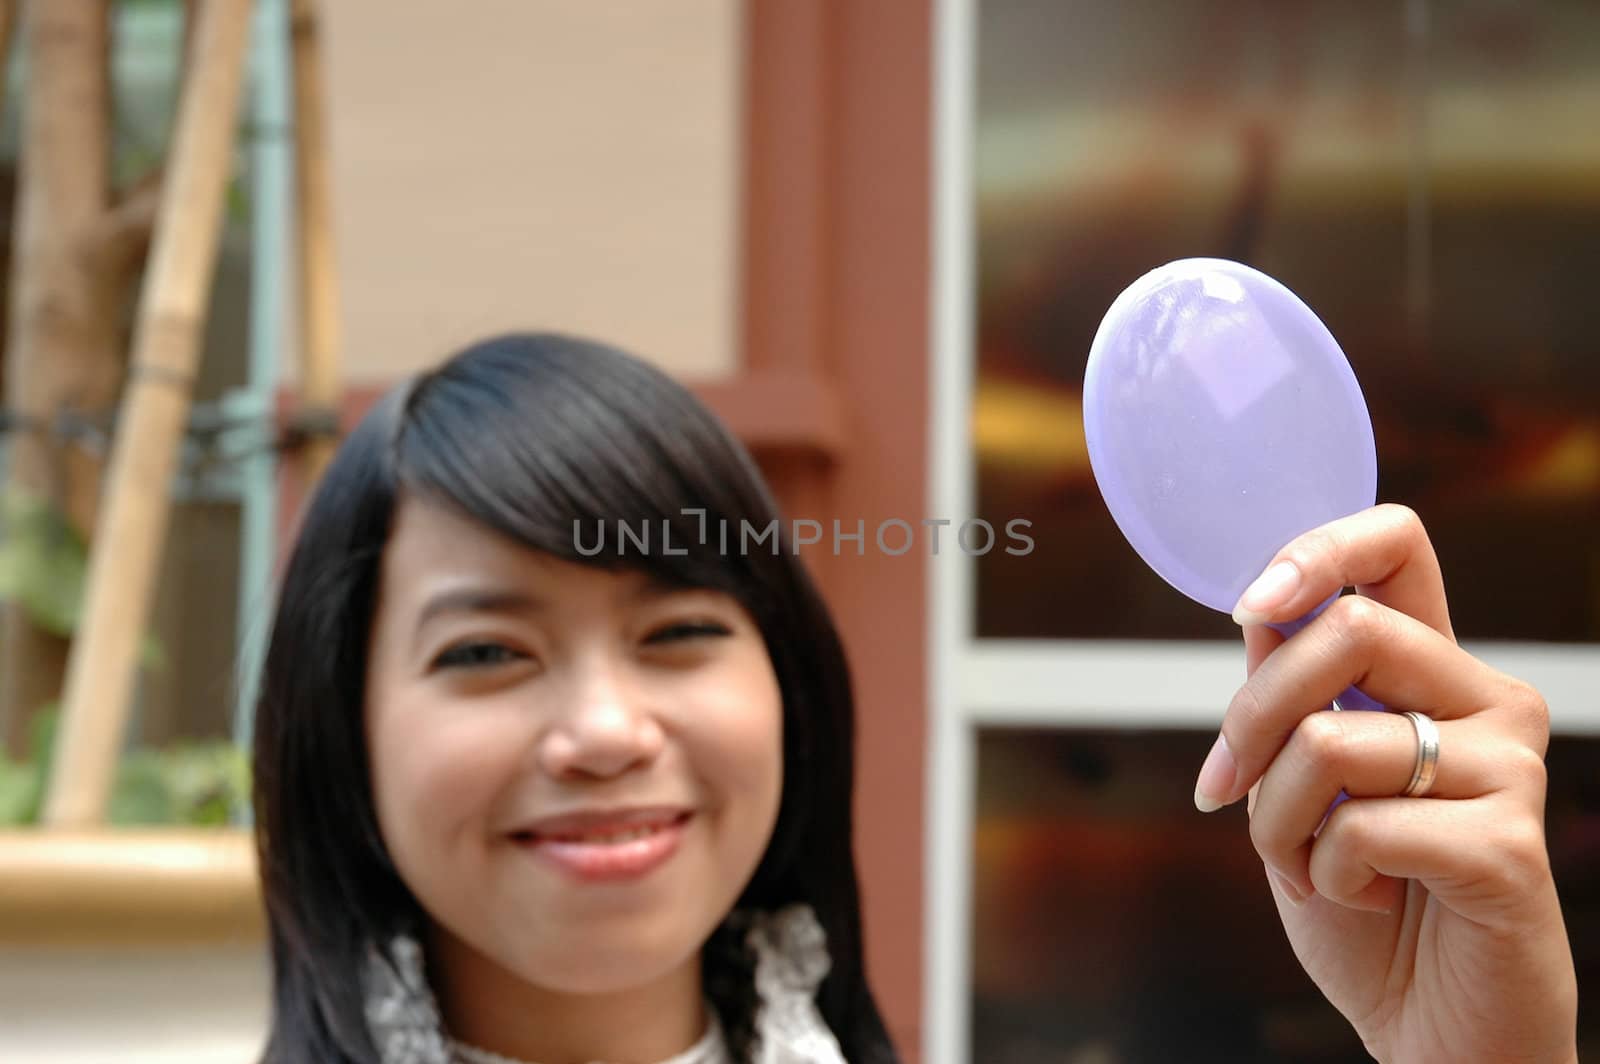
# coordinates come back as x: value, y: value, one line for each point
x: 791, y: 961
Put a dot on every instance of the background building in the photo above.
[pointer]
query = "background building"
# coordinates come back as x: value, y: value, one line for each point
x: 877, y: 238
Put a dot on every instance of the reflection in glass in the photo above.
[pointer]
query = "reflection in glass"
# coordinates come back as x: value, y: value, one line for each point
x: 1426, y: 176
x: 1114, y: 924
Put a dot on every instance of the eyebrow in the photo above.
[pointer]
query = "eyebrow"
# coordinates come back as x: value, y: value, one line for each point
x: 478, y: 600
x: 506, y: 601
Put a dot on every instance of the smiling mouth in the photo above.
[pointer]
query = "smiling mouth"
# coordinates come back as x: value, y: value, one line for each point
x: 607, y: 854
x: 612, y: 837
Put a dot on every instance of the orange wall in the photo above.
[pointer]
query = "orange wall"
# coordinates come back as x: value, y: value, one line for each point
x: 836, y: 249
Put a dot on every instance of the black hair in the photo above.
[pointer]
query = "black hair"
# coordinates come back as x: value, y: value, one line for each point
x: 528, y: 434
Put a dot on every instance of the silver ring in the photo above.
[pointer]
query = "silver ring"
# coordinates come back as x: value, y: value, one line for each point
x: 1427, y: 764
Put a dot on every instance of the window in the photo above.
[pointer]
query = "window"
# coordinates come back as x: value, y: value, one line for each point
x: 1427, y: 177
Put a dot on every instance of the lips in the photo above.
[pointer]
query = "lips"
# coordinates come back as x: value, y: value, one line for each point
x: 602, y: 825
x: 598, y: 847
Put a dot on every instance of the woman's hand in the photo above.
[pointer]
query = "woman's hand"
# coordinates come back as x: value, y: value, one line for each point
x: 1430, y: 922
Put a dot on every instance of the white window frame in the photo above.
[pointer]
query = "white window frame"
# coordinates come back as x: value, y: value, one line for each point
x: 975, y: 683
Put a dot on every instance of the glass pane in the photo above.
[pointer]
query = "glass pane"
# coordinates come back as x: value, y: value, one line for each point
x: 1426, y: 176
x: 1114, y: 924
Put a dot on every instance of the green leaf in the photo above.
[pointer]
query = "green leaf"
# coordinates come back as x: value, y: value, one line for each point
x: 208, y: 781
x: 43, y: 562
x: 44, y: 565
x: 42, y: 735
x: 21, y: 789
x: 196, y: 784
x: 192, y: 783
x: 142, y: 794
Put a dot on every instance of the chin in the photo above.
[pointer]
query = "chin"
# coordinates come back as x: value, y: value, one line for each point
x: 606, y: 969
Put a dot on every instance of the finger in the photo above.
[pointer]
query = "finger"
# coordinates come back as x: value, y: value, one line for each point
x: 1483, y: 858
x: 1394, y: 658
x: 1383, y: 552
x: 1259, y: 641
x: 1366, y: 755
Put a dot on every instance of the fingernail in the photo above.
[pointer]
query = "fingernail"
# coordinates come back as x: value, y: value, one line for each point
x: 1289, y: 890
x: 1270, y: 591
x: 1215, y: 784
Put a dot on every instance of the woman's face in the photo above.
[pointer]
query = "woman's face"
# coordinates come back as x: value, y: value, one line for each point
x: 576, y: 771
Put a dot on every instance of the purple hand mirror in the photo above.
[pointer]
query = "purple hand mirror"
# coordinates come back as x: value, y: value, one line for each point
x: 1223, y: 421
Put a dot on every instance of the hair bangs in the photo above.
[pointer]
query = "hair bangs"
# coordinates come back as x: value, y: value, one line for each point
x: 533, y: 444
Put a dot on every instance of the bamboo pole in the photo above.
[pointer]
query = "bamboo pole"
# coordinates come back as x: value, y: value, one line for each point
x: 62, y: 349
x: 318, y: 278
x: 166, y: 350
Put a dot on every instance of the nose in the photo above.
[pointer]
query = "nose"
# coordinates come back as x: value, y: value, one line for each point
x: 606, y: 729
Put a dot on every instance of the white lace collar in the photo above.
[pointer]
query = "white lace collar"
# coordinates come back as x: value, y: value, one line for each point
x: 791, y: 961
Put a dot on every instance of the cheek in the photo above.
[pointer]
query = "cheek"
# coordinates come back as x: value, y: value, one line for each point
x: 738, y: 745
x: 435, y: 772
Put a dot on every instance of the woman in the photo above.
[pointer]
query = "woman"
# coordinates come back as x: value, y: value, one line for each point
x: 520, y: 798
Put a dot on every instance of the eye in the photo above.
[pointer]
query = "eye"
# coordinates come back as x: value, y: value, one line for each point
x: 682, y: 631
x: 477, y: 656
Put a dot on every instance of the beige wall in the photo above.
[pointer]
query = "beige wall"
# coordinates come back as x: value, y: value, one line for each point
x: 134, y: 1005
x: 513, y: 164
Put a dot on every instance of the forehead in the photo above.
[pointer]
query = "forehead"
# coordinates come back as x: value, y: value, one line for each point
x: 433, y: 545
x: 427, y: 535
